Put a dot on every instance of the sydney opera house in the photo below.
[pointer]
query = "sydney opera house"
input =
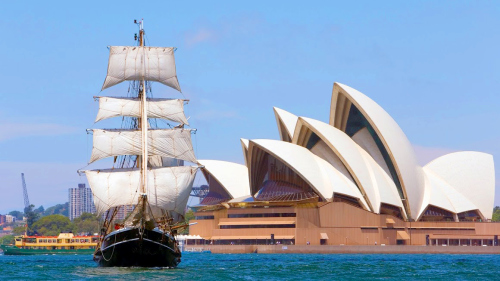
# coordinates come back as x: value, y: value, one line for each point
x: 354, y: 181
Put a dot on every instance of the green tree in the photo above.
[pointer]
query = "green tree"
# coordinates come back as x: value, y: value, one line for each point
x: 40, y: 210
x: 19, y: 215
x: 7, y: 240
x: 31, y: 217
x: 86, y: 223
x: 19, y: 230
x: 496, y: 214
x: 59, y: 209
x: 187, y: 217
x: 53, y: 225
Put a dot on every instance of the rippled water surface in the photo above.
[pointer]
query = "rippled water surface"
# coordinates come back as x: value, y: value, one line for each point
x: 206, y: 266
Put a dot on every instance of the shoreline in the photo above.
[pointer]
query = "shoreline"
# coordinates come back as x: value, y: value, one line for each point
x: 347, y: 249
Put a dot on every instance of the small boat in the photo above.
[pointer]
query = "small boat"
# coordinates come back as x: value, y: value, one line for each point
x: 64, y: 244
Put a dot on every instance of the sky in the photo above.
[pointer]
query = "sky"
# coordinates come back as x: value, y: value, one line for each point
x: 432, y: 65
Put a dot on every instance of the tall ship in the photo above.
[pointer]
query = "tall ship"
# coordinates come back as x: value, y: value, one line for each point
x: 148, y: 153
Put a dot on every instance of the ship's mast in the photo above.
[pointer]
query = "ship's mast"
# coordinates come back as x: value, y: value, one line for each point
x: 144, y: 120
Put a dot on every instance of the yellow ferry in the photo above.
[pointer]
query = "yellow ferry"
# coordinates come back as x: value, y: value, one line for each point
x: 65, y: 243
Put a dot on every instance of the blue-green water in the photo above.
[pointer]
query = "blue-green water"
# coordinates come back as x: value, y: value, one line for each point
x: 206, y: 266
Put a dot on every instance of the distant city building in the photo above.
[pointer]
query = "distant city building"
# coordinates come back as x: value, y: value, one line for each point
x: 2, y: 219
x: 122, y: 213
x: 9, y: 218
x: 80, y: 201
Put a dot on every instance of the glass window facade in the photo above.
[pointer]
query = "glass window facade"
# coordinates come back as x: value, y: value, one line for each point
x: 257, y: 226
x: 216, y: 194
x: 265, y: 215
x: 433, y: 213
x: 275, y: 181
x: 204, y: 217
x: 357, y: 121
x: 472, y: 215
x: 392, y: 210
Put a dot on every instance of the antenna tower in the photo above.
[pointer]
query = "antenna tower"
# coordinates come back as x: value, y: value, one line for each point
x: 25, y: 191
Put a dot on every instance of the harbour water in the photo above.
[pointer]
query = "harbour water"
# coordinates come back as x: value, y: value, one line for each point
x: 206, y: 266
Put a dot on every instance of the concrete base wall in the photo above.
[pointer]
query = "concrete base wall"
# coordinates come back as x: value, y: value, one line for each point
x: 329, y: 249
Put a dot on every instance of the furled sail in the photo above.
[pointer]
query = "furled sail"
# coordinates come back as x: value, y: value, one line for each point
x: 168, y: 188
x: 169, y: 109
x: 174, y: 143
x: 141, y: 63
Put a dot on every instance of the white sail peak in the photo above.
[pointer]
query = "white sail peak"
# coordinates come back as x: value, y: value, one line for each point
x: 141, y: 63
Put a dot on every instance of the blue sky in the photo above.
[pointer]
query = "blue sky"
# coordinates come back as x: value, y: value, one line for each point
x: 432, y: 65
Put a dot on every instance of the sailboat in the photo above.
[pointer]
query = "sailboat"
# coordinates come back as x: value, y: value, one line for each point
x: 142, y: 175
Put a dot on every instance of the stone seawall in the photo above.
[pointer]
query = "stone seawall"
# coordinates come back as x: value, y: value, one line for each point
x: 328, y: 249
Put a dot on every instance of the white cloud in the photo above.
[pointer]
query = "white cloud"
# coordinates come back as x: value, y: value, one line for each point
x: 427, y: 154
x: 199, y: 36
x: 17, y: 130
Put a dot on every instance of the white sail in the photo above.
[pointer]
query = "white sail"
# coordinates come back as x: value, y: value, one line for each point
x: 141, y: 63
x: 169, y: 188
x: 169, y: 109
x: 174, y: 143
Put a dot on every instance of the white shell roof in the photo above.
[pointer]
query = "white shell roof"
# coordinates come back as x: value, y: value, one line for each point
x: 244, y: 147
x: 287, y: 119
x: 440, y: 194
x: 321, y: 176
x: 394, y: 140
x: 375, y: 182
x: 471, y: 174
x: 232, y: 176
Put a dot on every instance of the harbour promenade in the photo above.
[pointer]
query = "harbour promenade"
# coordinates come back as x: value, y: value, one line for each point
x: 342, y: 249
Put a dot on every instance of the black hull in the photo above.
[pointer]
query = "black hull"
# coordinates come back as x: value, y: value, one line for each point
x: 127, y: 247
